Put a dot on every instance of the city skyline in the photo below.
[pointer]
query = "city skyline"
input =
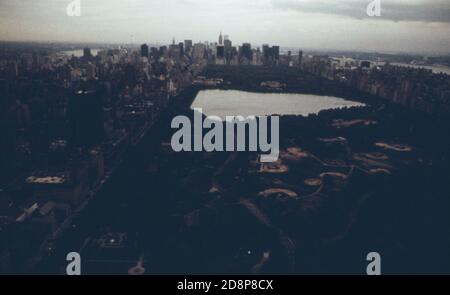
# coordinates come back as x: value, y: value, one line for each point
x: 228, y: 157
x: 404, y: 26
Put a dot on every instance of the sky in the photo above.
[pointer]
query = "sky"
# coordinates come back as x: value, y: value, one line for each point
x: 421, y: 26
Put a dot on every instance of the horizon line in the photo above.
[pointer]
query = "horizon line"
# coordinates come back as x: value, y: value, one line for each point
x: 404, y: 52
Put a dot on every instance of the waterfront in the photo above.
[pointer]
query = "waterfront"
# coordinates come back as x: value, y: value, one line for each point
x: 242, y: 103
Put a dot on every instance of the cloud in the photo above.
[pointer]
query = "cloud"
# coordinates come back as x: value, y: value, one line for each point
x: 395, y: 10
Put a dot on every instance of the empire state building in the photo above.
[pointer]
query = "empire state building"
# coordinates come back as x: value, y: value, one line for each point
x: 220, y: 39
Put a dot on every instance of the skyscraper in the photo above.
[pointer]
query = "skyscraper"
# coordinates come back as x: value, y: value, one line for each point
x: 144, y: 50
x: 87, y: 52
x: 181, y: 46
x: 163, y: 52
x: 276, y: 52
x: 220, y: 39
x: 154, y: 52
x: 228, y: 44
x: 187, y: 46
x: 220, y: 51
x: 271, y: 55
x: 175, y: 50
x: 266, y: 52
x: 247, y: 51
x: 198, y: 51
x: 220, y: 54
x: 300, y: 57
x: 228, y: 49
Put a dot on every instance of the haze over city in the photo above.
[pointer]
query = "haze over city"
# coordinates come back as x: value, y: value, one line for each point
x: 404, y: 26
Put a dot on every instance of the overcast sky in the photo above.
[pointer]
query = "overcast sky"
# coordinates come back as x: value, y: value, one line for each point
x: 404, y: 26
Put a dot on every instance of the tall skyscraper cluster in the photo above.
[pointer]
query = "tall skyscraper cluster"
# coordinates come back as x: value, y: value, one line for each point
x: 221, y: 52
x: 226, y: 54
